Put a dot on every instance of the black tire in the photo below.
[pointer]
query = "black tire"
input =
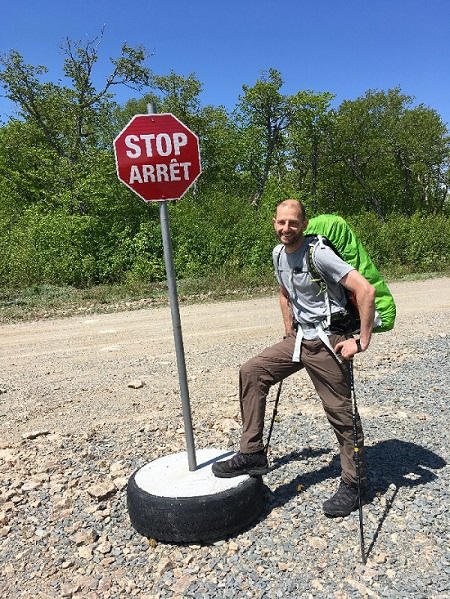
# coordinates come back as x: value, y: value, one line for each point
x: 202, y: 519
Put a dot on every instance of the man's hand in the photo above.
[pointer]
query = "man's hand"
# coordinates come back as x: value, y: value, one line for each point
x: 291, y: 333
x: 348, y: 348
x: 364, y: 294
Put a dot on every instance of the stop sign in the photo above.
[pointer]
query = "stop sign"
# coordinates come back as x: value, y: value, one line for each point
x: 157, y: 157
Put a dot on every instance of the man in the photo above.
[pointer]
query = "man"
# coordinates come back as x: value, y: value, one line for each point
x: 310, y: 343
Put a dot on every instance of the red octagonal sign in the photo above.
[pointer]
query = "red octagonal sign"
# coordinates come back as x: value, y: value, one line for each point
x: 157, y: 157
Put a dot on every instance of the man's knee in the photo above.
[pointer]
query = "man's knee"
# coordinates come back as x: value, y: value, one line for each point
x: 249, y: 369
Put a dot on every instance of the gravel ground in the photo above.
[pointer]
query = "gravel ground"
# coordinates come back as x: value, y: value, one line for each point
x: 76, y: 422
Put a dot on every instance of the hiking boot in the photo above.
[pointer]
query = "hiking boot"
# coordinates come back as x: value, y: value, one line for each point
x: 254, y: 464
x: 344, y: 501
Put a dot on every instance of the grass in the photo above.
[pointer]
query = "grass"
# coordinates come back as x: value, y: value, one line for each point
x: 50, y: 301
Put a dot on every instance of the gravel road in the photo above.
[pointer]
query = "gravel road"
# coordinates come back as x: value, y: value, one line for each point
x: 84, y: 401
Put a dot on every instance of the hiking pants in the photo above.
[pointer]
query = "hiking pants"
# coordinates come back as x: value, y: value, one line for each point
x: 330, y: 379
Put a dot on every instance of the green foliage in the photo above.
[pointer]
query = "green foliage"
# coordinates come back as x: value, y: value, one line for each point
x: 49, y: 248
x: 213, y: 232
x: 65, y: 220
x: 420, y: 243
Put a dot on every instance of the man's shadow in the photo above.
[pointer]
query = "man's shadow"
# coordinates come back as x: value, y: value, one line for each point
x: 390, y: 463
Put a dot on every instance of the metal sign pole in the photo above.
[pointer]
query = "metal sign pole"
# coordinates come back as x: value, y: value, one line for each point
x: 176, y: 324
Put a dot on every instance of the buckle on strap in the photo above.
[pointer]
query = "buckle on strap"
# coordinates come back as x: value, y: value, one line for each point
x: 322, y: 336
x: 298, y: 344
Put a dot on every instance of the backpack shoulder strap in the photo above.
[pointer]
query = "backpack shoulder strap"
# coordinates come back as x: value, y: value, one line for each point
x: 314, y: 241
x: 316, y: 277
x: 276, y: 254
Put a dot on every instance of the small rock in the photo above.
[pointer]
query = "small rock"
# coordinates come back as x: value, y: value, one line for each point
x: 228, y: 425
x: 120, y: 482
x: 136, y: 384
x: 41, y: 533
x: 390, y: 573
x: 317, y: 543
x: 104, y: 547
x: 102, y: 491
x: 67, y: 590
x: 180, y: 587
x: 35, y: 434
x: 8, y: 506
x: 164, y: 566
x: 85, y: 552
x: 62, y: 504
x: 107, y: 561
x: 31, y: 485
x: 316, y: 584
x: 85, y: 537
x: 380, y: 558
x: 116, y: 468
x: 4, y: 531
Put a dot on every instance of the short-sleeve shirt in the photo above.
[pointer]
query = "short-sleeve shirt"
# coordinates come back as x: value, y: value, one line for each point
x: 308, y: 302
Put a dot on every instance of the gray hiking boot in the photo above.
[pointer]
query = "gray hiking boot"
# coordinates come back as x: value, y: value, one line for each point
x: 254, y: 464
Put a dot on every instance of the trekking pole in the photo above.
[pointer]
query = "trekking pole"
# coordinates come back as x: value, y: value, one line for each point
x: 274, y: 415
x: 356, y: 457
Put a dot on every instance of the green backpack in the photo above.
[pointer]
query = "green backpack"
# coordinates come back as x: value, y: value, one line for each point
x: 334, y: 231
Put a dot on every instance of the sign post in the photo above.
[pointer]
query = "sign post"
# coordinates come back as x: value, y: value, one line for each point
x: 158, y: 158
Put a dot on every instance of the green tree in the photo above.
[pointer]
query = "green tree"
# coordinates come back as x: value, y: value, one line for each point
x: 387, y: 156
x: 263, y: 115
x: 309, y: 133
x: 70, y: 118
x: 67, y: 124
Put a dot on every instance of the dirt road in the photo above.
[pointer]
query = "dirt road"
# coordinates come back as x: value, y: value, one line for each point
x: 72, y: 375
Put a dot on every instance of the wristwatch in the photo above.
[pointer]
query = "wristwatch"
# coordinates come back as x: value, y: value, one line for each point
x: 358, y: 345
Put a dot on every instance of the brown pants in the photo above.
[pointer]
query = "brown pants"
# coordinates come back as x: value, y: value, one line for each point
x: 330, y: 379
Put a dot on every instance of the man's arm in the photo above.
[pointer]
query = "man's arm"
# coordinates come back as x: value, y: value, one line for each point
x: 286, y: 312
x: 364, y: 294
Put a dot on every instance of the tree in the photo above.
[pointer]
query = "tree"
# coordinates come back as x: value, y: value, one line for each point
x: 263, y: 115
x: 68, y: 123
x: 70, y: 117
x: 422, y: 151
x: 308, y: 136
x: 387, y: 156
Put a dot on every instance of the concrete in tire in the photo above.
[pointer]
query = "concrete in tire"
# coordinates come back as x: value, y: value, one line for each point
x: 169, y: 503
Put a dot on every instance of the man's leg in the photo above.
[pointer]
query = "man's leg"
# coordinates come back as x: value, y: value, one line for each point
x: 332, y: 383
x: 255, y: 379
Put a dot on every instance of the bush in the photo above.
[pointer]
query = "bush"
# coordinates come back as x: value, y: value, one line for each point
x: 213, y: 236
x: 419, y: 243
x: 50, y: 248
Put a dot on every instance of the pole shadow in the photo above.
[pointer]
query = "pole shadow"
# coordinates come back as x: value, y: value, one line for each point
x: 389, y: 463
x: 399, y: 464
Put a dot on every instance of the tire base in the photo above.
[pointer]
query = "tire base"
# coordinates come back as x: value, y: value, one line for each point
x: 170, y: 504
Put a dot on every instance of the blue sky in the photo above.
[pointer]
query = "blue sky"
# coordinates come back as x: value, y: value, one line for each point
x: 342, y: 46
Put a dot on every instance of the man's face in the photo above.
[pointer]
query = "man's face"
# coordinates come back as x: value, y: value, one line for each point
x: 289, y: 226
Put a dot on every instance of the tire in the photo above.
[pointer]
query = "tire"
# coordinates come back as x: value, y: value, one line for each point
x: 200, y: 519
